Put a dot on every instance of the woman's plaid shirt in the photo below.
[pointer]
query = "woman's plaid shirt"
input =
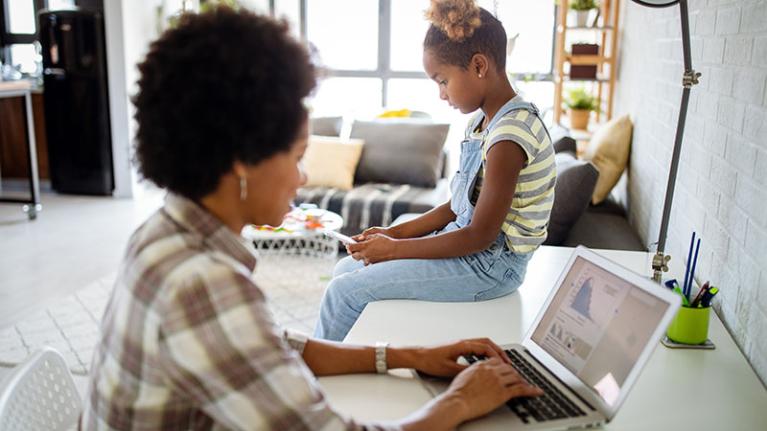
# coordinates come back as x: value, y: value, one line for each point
x: 188, y: 343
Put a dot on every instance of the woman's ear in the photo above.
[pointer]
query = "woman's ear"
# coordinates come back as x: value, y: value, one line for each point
x: 239, y: 169
x: 480, y: 65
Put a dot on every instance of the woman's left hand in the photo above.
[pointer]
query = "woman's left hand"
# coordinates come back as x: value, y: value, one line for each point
x: 440, y: 361
x: 376, y: 248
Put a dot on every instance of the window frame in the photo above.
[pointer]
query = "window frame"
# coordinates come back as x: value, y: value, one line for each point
x: 7, y: 39
x: 384, y: 71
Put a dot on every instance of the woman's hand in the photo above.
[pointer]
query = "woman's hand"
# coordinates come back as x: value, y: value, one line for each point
x: 440, y: 361
x: 372, y: 231
x: 373, y: 249
x: 485, y: 385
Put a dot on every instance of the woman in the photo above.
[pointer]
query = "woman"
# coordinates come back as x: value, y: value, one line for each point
x: 187, y: 340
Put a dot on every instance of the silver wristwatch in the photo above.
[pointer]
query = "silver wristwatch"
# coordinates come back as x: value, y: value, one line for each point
x: 381, y: 366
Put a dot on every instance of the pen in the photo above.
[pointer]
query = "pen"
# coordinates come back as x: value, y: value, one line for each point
x: 671, y: 283
x: 688, y: 288
x: 695, y: 302
x: 689, y: 261
x: 708, y: 296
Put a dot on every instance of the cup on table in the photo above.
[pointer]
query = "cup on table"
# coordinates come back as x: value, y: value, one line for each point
x: 689, y: 326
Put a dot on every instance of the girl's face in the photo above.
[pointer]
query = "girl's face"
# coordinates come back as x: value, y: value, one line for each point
x: 460, y: 88
x: 274, y: 182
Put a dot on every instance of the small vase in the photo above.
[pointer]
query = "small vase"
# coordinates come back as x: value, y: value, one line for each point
x: 581, y: 18
x: 579, y: 118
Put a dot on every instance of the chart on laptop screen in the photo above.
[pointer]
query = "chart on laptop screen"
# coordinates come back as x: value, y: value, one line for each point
x: 597, y: 326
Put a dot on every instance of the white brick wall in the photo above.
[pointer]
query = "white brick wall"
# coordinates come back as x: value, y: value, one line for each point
x: 721, y: 188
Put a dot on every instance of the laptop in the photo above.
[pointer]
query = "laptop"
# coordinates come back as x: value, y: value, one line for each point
x: 586, y: 347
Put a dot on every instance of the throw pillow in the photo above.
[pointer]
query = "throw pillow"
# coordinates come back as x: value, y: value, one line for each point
x: 401, y: 152
x: 575, y: 184
x: 331, y: 162
x: 609, y: 151
x: 326, y: 126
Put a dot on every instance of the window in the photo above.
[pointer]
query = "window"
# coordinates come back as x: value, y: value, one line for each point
x: 18, y: 31
x: 407, y: 33
x: 371, y: 46
x: 21, y: 17
x: 348, y: 40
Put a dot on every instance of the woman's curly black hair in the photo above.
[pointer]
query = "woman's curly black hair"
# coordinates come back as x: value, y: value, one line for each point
x: 459, y: 29
x: 221, y: 87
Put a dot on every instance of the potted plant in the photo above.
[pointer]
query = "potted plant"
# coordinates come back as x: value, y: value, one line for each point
x: 581, y: 10
x: 580, y: 104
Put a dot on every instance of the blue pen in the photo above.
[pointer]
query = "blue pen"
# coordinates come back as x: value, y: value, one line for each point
x: 688, y: 292
x: 689, y: 261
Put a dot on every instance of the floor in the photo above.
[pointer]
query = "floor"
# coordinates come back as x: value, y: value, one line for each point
x: 56, y: 273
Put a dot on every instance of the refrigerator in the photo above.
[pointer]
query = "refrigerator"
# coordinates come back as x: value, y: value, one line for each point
x: 76, y: 101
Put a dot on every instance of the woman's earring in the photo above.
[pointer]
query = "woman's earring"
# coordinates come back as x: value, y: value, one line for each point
x: 243, y: 188
x: 480, y: 75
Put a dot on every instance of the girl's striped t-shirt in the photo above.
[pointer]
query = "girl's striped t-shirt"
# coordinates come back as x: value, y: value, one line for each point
x: 527, y: 220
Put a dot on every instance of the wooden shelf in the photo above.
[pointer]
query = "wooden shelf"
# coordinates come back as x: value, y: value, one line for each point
x: 605, y: 33
x: 598, y: 28
x: 586, y: 59
x: 599, y: 78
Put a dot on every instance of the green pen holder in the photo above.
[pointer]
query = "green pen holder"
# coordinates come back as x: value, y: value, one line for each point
x: 690, y: 326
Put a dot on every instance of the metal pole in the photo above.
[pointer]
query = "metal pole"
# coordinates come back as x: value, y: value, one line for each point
x: 690, y: 78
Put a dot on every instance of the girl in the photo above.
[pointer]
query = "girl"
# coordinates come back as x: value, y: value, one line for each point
x: 475, y: 246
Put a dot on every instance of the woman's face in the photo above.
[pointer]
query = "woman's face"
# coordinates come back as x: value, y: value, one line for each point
x: 273, y: 183
x: 457, y: 86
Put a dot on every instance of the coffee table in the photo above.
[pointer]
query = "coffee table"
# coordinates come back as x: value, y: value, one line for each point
x: 301, y: 234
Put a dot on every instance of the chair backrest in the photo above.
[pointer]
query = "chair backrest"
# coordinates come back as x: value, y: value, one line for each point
x: 39, y: 394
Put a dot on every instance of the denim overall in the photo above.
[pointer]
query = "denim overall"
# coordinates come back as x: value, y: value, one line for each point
x: 488, y: 274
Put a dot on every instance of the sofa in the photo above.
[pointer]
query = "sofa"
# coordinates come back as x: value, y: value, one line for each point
x: 403, y: 169
x: 387, y: 191
x: 601, y: 226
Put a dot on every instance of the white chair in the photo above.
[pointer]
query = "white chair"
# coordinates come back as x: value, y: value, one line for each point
x: 39, y: 394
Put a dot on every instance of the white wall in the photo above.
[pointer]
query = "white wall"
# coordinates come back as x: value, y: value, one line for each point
x: 720, y: 188
x: 130, y: 27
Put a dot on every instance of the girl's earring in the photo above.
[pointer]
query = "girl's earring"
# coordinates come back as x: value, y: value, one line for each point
x: 480, y: 75
x: 243, y: 188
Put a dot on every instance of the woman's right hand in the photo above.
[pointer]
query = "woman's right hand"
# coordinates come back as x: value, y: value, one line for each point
x: 486, y: 385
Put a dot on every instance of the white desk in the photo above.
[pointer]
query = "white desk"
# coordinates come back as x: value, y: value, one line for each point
x: 678, y: 389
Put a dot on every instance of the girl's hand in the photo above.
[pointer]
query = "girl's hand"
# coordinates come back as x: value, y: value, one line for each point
x: 372, y: 231
x: 375, y: 248
x: 440, y: 361
x: 485, y: 385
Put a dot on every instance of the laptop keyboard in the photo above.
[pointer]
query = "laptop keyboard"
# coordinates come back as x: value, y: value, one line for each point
x: 551, y: 405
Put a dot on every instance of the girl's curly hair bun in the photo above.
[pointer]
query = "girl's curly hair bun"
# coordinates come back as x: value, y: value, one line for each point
x: 456, y: 18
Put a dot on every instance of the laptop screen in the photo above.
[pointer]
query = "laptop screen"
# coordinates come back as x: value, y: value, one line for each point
x: 597, y: 325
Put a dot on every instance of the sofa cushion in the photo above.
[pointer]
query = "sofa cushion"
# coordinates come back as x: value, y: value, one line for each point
x: 400, y: 152
x: 604, y: 230
x: 609, y: 151
x: 326, y: 126
x: 575, y: 184
x: 331, y: 162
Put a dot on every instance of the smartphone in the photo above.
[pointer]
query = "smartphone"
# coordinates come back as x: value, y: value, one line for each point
x: 339, y: 236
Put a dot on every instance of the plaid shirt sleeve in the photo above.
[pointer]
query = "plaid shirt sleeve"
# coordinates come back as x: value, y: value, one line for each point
x: 219, y: 345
